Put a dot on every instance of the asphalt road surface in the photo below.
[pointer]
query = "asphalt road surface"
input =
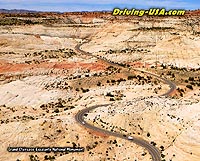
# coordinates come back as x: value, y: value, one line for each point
x: 154, y: 152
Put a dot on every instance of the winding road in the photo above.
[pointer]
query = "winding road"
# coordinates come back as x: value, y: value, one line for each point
x: 79, y: 117
x: 154, y: 152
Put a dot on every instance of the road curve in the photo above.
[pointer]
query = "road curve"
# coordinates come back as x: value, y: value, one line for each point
x: 154, y: 152
x: 79, y: 117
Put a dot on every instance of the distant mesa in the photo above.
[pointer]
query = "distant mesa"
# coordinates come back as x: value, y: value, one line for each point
x: 16, y: 11
x: 88, y: 13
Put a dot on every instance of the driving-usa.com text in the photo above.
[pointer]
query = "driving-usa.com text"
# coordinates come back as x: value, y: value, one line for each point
x: 150, y: 12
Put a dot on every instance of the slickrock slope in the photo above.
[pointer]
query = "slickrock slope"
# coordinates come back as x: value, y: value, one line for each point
x: 45, y: 81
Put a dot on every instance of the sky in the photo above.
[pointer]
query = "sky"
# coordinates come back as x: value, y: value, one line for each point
x: 96, y: 5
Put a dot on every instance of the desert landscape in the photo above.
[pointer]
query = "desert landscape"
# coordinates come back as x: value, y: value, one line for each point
x: 123, y: 88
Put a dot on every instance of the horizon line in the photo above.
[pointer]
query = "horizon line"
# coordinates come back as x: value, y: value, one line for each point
x: 30, y: 10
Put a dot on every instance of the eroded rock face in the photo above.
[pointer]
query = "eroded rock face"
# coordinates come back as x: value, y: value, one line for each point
x: 45, y: 80
x: 163, y: 121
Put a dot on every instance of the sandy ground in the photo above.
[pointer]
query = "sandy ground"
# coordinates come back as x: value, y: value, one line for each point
x: 42, y: 88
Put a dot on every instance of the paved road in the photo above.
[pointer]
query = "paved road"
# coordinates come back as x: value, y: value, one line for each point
x: 154, y: 152
x: 171, y: 84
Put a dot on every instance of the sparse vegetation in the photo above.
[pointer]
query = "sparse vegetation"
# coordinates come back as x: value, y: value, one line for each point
x: 72, y: 61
